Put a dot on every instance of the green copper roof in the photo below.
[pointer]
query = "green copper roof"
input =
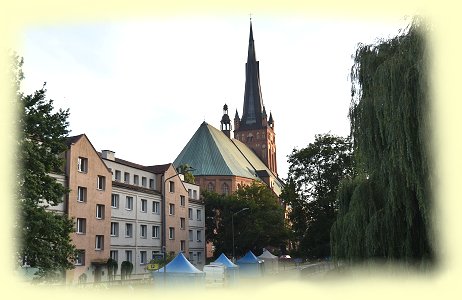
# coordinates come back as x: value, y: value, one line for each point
x: 211, y: 152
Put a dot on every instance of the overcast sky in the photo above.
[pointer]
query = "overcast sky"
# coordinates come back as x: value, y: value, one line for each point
x: 142, y: 87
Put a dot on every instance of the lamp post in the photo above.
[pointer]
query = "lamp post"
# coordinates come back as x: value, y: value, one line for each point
x: 232, y: 227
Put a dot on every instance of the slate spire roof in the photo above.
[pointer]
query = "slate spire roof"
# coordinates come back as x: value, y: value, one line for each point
x: 253, y: 101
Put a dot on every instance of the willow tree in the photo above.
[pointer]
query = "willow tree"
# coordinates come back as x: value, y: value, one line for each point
x: 385, y: 212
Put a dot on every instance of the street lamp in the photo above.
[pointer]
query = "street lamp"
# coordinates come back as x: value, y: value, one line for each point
x: 232, y: 227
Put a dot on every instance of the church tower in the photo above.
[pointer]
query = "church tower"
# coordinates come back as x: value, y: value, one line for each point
x: 254, y: 129
x: 226, y: 122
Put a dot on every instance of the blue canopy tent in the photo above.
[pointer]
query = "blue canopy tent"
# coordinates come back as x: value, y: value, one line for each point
x: 232, y: 270
x: 179, y: 272
x: 250, y: 265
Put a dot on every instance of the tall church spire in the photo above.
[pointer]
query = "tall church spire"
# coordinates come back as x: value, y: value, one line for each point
x: 253, y: 102
x: 254, y: 129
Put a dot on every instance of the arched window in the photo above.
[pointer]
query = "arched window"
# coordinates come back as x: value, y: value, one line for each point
x: 225, y: 189
x: 211, y: 187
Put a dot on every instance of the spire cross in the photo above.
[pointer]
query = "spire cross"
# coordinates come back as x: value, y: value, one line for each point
x: 250, y: 15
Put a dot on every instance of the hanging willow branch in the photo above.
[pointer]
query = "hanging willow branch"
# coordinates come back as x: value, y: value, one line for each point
x: 389, y: 206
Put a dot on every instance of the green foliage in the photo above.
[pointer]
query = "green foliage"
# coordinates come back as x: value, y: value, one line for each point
x: 260, y: 226
x: 161, y: 262
x: 112, y: 267
x: 310, y: 193
x: 126, y: 269
x: 385, y: 213
x: 44, y: 236
x: 185, y: 169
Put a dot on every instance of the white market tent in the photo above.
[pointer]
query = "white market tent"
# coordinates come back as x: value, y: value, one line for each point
x: 271, y: 261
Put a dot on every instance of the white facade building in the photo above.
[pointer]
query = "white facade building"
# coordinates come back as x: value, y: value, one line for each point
x: 196, y: 230
x: 135, y: 214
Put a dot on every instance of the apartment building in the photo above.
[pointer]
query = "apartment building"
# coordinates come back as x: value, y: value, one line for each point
x: 175, y: 212
x: 88, y: 203
x: 196, y: 231
x: 136, y: 219
x: 127, y: 211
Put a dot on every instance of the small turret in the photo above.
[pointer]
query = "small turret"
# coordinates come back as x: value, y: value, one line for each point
x: 271, y: 121
x: 237, y: 121
x: 226, y: 122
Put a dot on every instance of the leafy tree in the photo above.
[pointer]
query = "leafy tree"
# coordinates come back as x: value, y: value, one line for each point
x: 385, y: 212
x: 314, y: 175
x: 185, y: 169
x: 261, y: 225
x: 44, y: 236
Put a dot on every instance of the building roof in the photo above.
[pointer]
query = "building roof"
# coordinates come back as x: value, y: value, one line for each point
x: 73, y: 139
x: 158, y: 169
x: 211, y: 152
x: 253, y: 102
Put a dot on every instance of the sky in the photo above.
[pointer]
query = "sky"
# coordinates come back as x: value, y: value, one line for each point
x: 142, y: 87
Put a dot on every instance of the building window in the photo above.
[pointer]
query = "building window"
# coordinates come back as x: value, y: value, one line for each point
x: 182, y: 223
x: 171, y: 209
x: 81, y: 225
x: 129, y: 203
x: 127, y: 177
x: 118, y: 175
x: 199, y: 215
x: 99, y: 211
x: 115, y: 200
x: 143, y: 231
x: 143, y: 181
x: 144, y: 205
x: 189, y: 193
x: 210, y: 187
x: 194, y: 194
x: 80, y: 258
x: 182, y: 200
x: 143, y: 257
x: 199, y: 235
x: 225, y: 189
x: 182, y: 245
x: 190, y: 213
x: 82, y: 164
x: 151, y: 183
x: 114, y: 254
x: 81, y: 194
x: 128, y: 255
x: 101, y: 183
x: 171, y: 233
x: 190, y: 235
x: 99, y: 244
x: 136, y: 179
x: 155, y: 207
x: 114, y: 229
x: 128, y: 230
x: 171, y: 186
x: 191, y: 257
x: 155, y: 232
x: 199, y: 257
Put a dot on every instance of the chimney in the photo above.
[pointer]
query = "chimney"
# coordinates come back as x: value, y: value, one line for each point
x: 108, y: 154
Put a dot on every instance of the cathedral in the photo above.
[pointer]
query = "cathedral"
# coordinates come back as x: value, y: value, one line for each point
x: 220, y: 162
